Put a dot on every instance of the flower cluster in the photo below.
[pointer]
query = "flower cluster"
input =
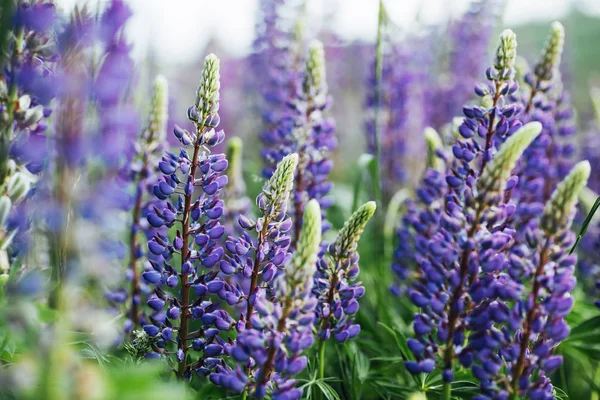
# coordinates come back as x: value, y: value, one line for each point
x: 470, y: 235
x: 311, y: 135
x: 480, y: 134
x: 197, y: 241
x: 26, y: 89
x: 521, y: 314
x: 465, y: 59
x: 338, y: 295
x: 277, y: 65
x: 544, y: 100
x: 402, y: 112
x: 494, y: 277
x: 270, y: 349
x: 142, y: 172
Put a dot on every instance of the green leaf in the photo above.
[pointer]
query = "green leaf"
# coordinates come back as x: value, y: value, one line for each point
x: 586, y: 223
x: 586, y: 326
x: 328, y: 391
x: 400, y: 341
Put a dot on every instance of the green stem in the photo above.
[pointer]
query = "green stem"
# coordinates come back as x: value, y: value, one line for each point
x: 322, y: 359
x: 245, y: 393
x: 378, y: 97
x: 447, y: 391
x: 321, y: 365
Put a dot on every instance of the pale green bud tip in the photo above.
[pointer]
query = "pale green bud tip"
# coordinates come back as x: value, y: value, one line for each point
x: 552, y: 52
x: 496, y: 173
x: 434, y: 143
x: 160, y: 106
x: 353, y: 228
x: 306, y: 254
x: 311, y: 225
x: 281, y: 183
x: 506, y: 54
x: 284, y: 173
x: 315, y: 67
x: 564, y: 199
x: 208, y: 91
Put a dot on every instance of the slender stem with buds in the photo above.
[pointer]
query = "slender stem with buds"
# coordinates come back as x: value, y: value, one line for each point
x: 185, y: 287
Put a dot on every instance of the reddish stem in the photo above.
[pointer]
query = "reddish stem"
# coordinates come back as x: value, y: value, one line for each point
x: 490, y: 132
x: 254, y: 279
x: 185, y: 288
x: 519, y: 366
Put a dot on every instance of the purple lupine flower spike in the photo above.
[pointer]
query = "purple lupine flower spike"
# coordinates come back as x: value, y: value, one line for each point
x: 142, y: 172
x: 334, y: 287
x: 277, y: 66
x: 315, y: 138
x: 517, y: 327
x: 404, y: 110
x: 482, y: 131
x: 420, y: 217
x: 259, y: 260
x: 197, y: 241
x: 469, y: 237
x: 469, y: 40
x: 545, y: 100
x: 26, y: 89
x: 281, y: 330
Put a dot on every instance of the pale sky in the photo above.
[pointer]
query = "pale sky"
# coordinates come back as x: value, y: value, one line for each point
x: 179, y: 29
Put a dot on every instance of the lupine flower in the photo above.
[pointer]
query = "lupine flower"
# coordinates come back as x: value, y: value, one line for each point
x: 467, y: 242
x: 521, y: 316
x: 334, y: 286
x: 404, y: 110
x: 469, y: 38
x: 26, y: 88
x: 277, y: 66
x: 310, y: 134
x: 314, y: 138
x: 197, y: 241
x: 108, y: 143
x: 118, y: 121
x: 492, y: 122
x: 258, y: 259
x: 420, y: 216
x: 544, y: 100
x: 282, y: 328
x: 66, y: 154
x: 142, y: 172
